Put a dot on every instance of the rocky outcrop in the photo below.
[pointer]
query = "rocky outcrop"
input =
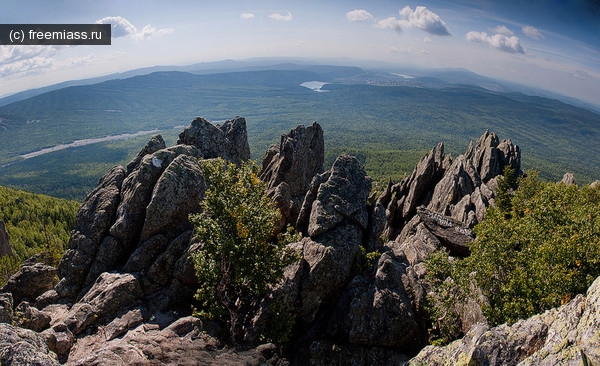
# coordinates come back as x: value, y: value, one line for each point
x: 351, y: 298
x: 459, y: 188
x: 337, y: 220
x: 139, y: 217
x: 132, y: 238
x: 30, y: 281
x: 568, y: 335
x: 24, y: 347
x: 5, y: 248
x: 229, y: 140
x: 568, y: 179
x: 288, y: 168
x: 184, y: 342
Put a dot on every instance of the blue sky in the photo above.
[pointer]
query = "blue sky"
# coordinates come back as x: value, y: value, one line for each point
x: 554, y: 45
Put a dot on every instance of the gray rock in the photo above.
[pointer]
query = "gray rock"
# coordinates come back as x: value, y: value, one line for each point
x: 379, y: 311
x: 20, y: 346
x: 176, y: 195
x: 326, y: 353
x: 59, y: 339
x: 113, y: 292
x: 6, y: 308
x: 92, y: 223
x: 342, y: 197
x: 47, y: 298
x: 567, y: 336
x: 452, y: 234
x: 288, y: 168
x: 27, y: 316
x: 146, y: 253
x: 30, y: 282
x: 181, y: 343
x: 402, y: 199
x: 459, y: 180
x: 568, y: 179
x: 229, y: 141
x: 329, y: 262
x: 155, y: 144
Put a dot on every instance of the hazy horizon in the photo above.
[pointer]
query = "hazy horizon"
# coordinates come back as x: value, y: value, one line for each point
x: 551, y: 45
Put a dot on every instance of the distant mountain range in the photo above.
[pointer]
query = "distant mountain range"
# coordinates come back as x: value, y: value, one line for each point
x: 387, y: 116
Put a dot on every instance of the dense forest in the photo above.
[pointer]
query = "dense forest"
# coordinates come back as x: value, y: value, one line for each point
x: 37, y: 225
x: 386, y: 125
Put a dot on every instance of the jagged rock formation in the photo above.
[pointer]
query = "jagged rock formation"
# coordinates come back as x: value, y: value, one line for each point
x: 229, y: 140
x: 126, y: 280
x: 288, y: 168
x: 569, y: 335
x: 5, y: 248
x: 461, y: 188
x: 338, y: 221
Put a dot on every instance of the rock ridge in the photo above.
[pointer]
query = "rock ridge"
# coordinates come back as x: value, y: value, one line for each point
x: 356, y: 295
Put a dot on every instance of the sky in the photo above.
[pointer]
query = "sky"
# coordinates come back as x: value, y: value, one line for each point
x: 550, y: 44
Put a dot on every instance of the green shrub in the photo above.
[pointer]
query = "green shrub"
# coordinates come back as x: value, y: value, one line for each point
x: 535, y: 252
x: 240, y: 257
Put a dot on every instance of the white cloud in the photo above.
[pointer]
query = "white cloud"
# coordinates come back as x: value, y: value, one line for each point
x: 532, y: 32
x: 498, y: 41
x: 149, y: 31
x: 25, y: 60
x: 281, y: 17
x: 121, y: 27
x: 247, y: 16
x: 389, y: 23
x: 359, y: 15
x: 424, y: 19
x: 502, y: 29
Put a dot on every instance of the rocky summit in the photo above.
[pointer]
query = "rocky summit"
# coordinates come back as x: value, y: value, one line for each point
x: 355, y: 296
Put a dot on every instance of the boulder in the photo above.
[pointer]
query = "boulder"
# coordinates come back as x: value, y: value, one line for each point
x: 31, y: 281
x: 27, y: 316
x: 342, y: 197
x: 378, y: 311
x: 176, y: 195
x: 20, y: 346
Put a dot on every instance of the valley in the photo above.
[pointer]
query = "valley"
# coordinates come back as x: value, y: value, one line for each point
x: 388, y: 121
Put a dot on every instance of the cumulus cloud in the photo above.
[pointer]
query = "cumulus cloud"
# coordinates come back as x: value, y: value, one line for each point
x: 121, y: 27
x: 23, y: 60
x: 359, y: 15
x: 247, y: 16
x: 502, y: 29
x: 498, y: 41
x: 149, y: 31
x: 424, y: 19
x: 389, y: 23
x: 281, y: 17
x: 532, y: 32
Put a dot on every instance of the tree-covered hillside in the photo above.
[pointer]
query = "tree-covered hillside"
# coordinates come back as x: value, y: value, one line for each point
x: 390, y: 126
x: 36, y: 224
